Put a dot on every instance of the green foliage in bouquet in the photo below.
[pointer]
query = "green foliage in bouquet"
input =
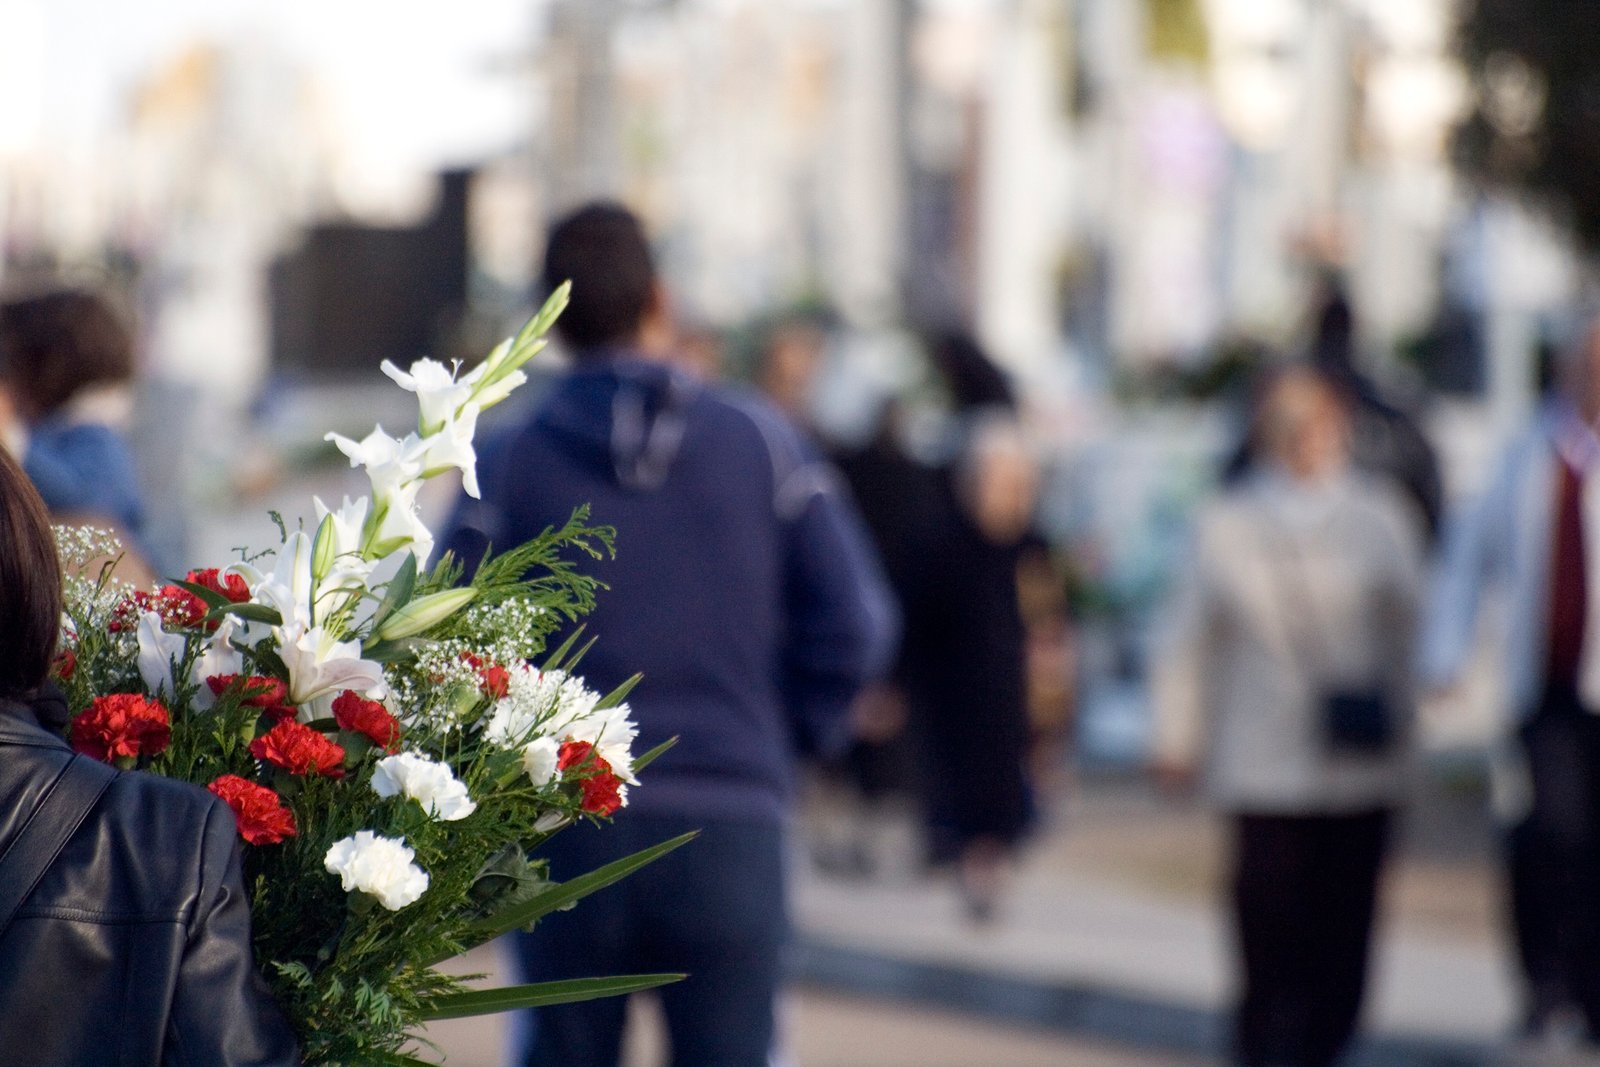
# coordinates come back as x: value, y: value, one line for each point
x: 375, y: 724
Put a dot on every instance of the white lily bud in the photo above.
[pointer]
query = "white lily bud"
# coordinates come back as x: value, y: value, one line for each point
x: 424, y: 613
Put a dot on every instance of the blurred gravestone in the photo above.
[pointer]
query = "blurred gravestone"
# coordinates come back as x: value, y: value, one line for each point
x: 352, y: 295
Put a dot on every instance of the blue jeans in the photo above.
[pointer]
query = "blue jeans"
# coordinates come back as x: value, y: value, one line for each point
x: 714, y: 909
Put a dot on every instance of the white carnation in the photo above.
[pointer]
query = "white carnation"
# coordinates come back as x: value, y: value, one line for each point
x: 539, y: 758
x: 379, y: 866
x: 537, y: 702
x: 432, y: 784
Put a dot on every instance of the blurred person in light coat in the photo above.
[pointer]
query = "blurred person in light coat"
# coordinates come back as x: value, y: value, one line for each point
x: 1531, y: 536
x: 1301, y: 598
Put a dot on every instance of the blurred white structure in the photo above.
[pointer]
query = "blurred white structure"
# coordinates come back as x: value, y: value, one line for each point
x: 1117, y: 182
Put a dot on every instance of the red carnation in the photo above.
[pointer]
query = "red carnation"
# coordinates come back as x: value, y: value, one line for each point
x: 573, y: 754
x: 66, y: 662
x: 122, y: 726
x: 299, y: 749
x: 493, y: 679
x: 231, y: 586
x: 260, y: 813
x: 599, y: 787
x: 368, y: 717
x: 269, y: 694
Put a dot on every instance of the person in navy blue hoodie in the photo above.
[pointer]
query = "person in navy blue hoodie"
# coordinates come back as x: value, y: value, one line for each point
x: 746, y: 591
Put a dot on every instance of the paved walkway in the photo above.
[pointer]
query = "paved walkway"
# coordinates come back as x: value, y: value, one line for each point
x: 1108, y: 953
x: 1111, y: 929
x: 824, y: 1029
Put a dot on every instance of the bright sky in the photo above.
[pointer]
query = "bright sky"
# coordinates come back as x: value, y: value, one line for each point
x: 417, y: 82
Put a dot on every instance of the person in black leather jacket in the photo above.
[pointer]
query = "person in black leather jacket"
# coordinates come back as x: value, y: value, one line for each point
x: 134, y: 948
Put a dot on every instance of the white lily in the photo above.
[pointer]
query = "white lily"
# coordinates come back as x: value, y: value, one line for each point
x: 219, y: 657
x: 439, y: 394
x: 158, y: 652
x: 319, y: 663
x: 346, y: 567
x: 289, y: 589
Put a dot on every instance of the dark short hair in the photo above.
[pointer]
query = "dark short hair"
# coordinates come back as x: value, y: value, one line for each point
x: 973, y: 379
x: 30, y: 585
x: 55, y: 343
x: 602, y: 250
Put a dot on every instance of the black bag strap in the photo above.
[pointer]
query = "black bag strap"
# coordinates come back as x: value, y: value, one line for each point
x: 67, y: 801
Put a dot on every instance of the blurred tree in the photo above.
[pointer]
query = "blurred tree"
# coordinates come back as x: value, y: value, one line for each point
x: 1535, y: 125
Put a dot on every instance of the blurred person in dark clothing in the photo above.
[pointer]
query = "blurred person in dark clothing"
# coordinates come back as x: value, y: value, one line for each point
x: 1284, y: 677
x: 900, y: 500
x: 1384, y: 438
x: 745, y: 592
x: 124, y: 921
x: 1532, y: 537
x: 964, y: 668
x: 66, y: 361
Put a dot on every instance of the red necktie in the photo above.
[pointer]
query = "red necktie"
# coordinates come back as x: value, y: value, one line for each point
x: 1569, y: 593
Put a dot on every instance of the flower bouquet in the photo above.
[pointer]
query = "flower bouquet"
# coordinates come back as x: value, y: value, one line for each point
x: 375, y: 723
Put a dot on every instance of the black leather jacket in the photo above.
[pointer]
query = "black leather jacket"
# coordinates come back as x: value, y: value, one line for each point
x: 134, y: 950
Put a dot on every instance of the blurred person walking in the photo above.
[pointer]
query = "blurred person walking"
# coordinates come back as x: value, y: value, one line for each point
x: 743, y: 590
x: 66, y: 362
x: 964, y: 665
x: 1532, y: 536
x: 1385, y: 439
x: 1286, y: 675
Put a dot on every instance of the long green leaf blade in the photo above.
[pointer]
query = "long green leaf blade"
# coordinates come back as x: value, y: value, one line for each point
x: 399, y: 590
x: 248, y: 612
x: 541, y: 994
x: 210, y: 597
x: 619, y: 694
x: 654, y: 754
x: 559, y: 896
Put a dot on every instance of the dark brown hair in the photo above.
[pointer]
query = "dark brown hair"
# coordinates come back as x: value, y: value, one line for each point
x: 30, y: 585
x: 56, y: 343
x: 602, y: 250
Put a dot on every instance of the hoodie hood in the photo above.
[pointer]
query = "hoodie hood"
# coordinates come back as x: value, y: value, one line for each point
x: 623, y: 414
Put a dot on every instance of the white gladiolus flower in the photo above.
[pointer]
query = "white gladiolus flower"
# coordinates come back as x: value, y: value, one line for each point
x: 432, y: 784
x: 439, y: 394
x: 157, y: 652
x: 451, y: 446
x: 379, y: 866
x: 389, y: 462
x: 402, y: 523
x: 539, y: 758
x: 319, y: 663
x: 490, y: 395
